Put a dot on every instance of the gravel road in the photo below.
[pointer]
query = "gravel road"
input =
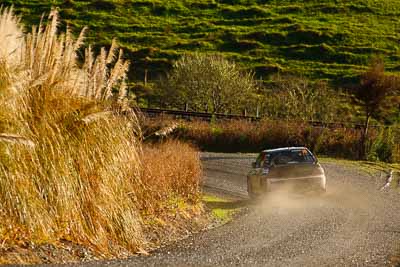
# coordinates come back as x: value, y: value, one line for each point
x: 353, y: 224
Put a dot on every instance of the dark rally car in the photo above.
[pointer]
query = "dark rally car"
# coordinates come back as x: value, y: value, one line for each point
x: 296, y: 167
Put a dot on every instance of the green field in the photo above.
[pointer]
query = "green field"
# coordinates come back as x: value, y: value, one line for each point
x: 325, y: 39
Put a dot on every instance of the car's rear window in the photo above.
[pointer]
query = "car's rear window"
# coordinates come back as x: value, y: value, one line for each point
x: 293, y: 156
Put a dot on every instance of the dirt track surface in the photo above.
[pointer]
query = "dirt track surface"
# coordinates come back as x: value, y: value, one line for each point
x: 353, y: 224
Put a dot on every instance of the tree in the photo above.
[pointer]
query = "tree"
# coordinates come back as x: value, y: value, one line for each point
x: 298, y: 98
x: 376, y: 94
x: 208, y: 83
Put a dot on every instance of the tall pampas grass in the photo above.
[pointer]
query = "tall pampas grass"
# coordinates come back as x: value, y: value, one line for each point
x: 50, y: 59
x: 67, y: 170
x: 11, y: 36
x: 72, y: 167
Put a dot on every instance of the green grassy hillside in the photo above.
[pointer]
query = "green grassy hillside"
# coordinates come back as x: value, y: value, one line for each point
x: 329, y: 39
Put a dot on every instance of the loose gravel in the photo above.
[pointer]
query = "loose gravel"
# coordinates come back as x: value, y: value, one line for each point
x: 353, y: 224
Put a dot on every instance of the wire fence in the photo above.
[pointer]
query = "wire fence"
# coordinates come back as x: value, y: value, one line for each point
x: 188, y: 115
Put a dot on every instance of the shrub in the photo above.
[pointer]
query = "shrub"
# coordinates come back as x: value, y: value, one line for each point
x: 297, y: 98
x: 340, y: 142
x: 383, y: 147
x: 207, y: 83
x: 171, y: 170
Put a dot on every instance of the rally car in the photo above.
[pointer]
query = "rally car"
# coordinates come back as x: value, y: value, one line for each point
x: 294, y: 167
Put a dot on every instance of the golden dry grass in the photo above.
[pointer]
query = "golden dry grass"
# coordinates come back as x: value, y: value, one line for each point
x: 246, y: 136
x: 71, y: 164
x: 171, y: 170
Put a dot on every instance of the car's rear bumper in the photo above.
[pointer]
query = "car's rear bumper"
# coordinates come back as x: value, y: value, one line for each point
x: 258, y: 185
x: 314, y: 181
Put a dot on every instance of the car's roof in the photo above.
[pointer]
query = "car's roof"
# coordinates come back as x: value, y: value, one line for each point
x: 283, y: 149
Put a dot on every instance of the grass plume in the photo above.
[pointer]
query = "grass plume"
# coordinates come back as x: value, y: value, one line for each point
x: 71, y: 164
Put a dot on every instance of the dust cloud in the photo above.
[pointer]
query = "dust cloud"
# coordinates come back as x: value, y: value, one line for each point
x: 290, y: 198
